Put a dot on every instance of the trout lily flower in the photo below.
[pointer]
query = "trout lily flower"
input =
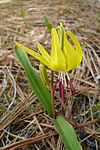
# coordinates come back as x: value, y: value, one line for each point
x: 64, y: 55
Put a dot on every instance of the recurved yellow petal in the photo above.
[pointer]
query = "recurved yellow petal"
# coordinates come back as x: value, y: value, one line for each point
x: 43, y: 52
x: 33, y: 53
x: 77, y: 46
x: 72, y: 53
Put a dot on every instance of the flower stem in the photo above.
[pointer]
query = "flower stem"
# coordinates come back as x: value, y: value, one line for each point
x: 52, y: 93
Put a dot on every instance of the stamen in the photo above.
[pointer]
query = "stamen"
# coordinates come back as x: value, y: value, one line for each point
x: 60, y: 89
x: 69, y: 82
x: 62, y: 81
x: 62, y: 78
x: 62, y: 92
x: 65, y: 84
x: 73, y: 91
x: 54, y: 88
x: 67, y: 76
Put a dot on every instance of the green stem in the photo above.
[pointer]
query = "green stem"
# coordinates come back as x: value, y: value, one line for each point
x: 52, y: 94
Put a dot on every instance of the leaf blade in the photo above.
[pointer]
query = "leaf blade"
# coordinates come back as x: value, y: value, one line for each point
x: 67, y: 133
x: 47, y: 23
x: 36, y: 84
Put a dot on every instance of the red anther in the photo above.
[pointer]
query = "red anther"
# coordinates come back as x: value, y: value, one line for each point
x: 72, y: 89
x: 55, y: 84
x: 62, y: 92
x: 60, y: 83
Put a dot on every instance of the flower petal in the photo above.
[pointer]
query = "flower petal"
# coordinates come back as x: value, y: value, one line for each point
x: 44, y: 75
x: 33, y: 53
x: 73, y: 55
x: 43, y: 52
x: 70, y: 55
x: 57, y: 60
x: 77, y: 46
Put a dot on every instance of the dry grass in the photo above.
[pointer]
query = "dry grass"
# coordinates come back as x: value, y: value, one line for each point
x: 24, y: 123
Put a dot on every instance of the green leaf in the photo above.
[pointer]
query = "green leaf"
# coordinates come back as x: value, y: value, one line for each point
x: 34, y: 80
x: 22, y: 14
x: 47, y: 23
x: 67, y: 133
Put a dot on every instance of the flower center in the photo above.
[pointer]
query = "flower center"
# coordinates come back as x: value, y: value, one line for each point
x: 63, y: 82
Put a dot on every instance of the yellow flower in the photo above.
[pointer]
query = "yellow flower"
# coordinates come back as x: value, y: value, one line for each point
x: 64, y: 56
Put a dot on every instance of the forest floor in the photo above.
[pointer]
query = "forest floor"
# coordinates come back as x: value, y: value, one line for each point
x: 24, y: 124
